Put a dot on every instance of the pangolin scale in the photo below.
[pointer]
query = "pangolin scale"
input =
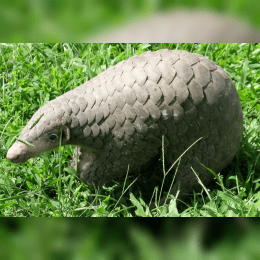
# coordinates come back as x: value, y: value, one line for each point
x: 118, y: 119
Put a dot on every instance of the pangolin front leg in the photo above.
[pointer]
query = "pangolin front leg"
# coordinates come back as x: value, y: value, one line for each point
x: 85, y: 159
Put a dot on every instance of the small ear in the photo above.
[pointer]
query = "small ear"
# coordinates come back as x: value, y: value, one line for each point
x: 65, y: 133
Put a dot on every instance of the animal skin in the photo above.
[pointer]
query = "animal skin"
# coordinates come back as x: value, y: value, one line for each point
x: 118, y: 119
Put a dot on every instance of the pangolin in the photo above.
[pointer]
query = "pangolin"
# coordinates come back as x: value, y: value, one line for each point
x: 118, y: 118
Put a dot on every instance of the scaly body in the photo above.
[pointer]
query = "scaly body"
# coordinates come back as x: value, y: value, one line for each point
x: 119, y: 117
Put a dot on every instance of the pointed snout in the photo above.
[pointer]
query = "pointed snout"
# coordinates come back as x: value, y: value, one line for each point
x: 17, y: 152
x: 12, y: 156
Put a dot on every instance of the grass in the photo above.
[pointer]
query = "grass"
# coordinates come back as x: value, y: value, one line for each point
x: 33, y: 74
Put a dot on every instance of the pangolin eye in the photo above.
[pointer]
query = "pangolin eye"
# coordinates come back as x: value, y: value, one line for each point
x: 53, y: 137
